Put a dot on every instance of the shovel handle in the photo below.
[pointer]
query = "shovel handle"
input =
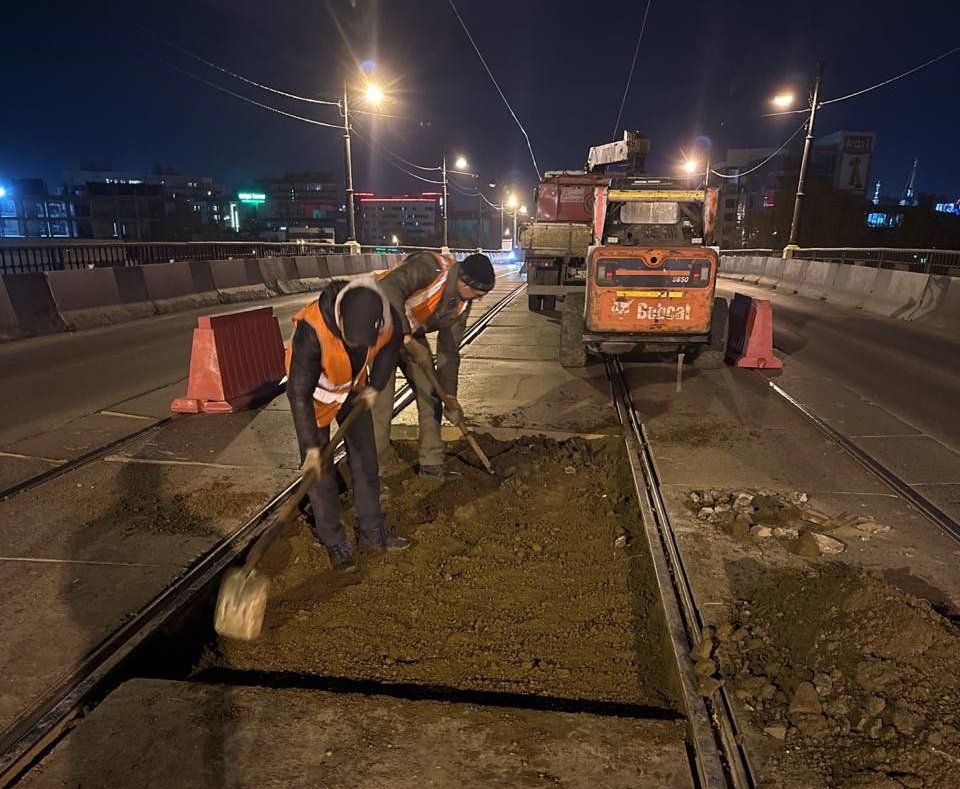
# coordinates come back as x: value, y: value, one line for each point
x: 289, y: 509
x: 465, y: 432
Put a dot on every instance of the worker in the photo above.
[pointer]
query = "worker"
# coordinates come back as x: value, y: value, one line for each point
x: 431, y: 293
x: 347, y: 330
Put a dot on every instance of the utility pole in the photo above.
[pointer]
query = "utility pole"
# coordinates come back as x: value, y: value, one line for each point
x: 801, y: 183
x: 348, y: 165
x: 479, y: 218
x: 443, y: 168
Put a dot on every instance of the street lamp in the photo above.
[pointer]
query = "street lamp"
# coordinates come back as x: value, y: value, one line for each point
x: 374, y: 96
x: 690, y: 166
x: 394, y: 240
x: 461, y: 164
x: 801, y: 181
x: 783, y: 101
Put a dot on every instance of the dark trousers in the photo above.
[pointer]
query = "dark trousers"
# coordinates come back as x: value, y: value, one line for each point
x: 324, y: 495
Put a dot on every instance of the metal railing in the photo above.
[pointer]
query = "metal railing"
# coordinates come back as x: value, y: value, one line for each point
x: 22, y: 256
x: 943, y: 262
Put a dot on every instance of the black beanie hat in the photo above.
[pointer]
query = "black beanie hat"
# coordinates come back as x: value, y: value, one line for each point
x: 476, y: 270
x: 361, y: 316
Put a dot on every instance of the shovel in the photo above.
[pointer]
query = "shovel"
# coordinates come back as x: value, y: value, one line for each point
x: 242, y: 601
x: 427, y: 368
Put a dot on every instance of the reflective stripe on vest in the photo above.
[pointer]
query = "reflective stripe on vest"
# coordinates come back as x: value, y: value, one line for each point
x: 422, y: 304
x: 336, y: 380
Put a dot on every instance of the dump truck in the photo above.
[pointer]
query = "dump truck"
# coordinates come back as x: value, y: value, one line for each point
x: 638, y: 273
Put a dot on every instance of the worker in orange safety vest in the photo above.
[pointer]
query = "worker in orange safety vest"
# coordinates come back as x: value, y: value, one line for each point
x: 431, y: 293
x: 343, y: 351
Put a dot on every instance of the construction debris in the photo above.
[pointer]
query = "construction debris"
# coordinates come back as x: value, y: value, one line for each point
x: 765, y: 514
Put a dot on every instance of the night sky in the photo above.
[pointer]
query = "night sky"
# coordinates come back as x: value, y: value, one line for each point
x: 84, y: 84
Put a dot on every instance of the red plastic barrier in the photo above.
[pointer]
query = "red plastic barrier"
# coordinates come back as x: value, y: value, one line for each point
x: 750, y: 339
x: 237, y: 358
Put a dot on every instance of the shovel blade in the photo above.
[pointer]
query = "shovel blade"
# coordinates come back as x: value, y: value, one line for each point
x: 241, y: 604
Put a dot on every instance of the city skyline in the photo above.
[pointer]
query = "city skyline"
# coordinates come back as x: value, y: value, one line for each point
x: 127, y: 105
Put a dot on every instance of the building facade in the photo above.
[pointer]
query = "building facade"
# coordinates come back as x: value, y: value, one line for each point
x: 407, y: 220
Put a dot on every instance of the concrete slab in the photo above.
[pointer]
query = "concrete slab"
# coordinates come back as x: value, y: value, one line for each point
x: 542, y: 352
x: 164, y: 734
x: 945, y: 495
x: 917, y: 460
x: 15, y: 469
x: 57, y: 613
x: 155, y: 403
x: 498, y: 335
x: 76, y: 437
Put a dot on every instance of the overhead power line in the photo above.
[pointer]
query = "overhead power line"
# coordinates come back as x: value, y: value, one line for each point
x: 633, y: 65
x: 496, y: 85
x: 885, y: 82
x: 240, y: 96
x: 234, y: 74
x: 393, y: 153
x: 894, y: 79
x: 800, y: 128
x: 374, y: 146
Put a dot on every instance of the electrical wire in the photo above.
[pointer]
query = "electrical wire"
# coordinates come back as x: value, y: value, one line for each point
x: 872, y: 87
x: 496, y: 85
x: 249, y: 100
x: 894, y: 79
x: 399, y: 157
x: 633, y: 65
x: 754, y: 169
x: 233, y: 74
x: 374, y: 145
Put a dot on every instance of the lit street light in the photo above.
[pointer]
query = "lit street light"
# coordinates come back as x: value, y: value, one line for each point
x: 374, y: 95
x: 690, y: 166
x: 783, y: 100
x: 460, y: 163
x: 394, y: 240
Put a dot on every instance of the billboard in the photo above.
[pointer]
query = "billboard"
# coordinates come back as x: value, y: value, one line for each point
x: 853, y: 163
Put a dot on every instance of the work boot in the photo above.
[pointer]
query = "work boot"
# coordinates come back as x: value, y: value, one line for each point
x: 341, y: 558
x: 383, y: 540
x: 432, y: 472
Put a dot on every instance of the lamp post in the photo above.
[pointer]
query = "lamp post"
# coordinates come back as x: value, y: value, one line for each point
x: 801, y: 182
x: 460, y: 164
x: 374, y: 96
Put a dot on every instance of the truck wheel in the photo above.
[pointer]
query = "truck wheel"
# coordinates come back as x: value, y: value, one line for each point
x: 535, y: 303
x: 712, y: 355
x: 573, y: 353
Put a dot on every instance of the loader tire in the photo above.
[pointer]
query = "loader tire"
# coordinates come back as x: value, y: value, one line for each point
x: 712, y: 356
x: 573, y: 353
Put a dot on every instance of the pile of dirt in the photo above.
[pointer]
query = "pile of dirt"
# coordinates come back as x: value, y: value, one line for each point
x: 513, y: 586
x: 860, y: 681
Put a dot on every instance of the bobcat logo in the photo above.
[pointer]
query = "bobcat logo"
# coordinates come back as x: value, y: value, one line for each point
x: 663, y: 312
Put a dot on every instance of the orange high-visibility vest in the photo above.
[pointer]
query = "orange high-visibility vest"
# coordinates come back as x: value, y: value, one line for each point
x: 336, y: 380
x: 422, y: 304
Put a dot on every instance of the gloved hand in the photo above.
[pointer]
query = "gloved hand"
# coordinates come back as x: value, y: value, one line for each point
x: 452, y: 410
x: 417, y: 351
x: 312, y: 461
x: 367, y: 397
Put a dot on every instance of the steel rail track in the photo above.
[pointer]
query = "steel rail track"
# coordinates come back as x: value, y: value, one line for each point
x: 41, y: 727
x: 719, y: 760
x: 930, y: 510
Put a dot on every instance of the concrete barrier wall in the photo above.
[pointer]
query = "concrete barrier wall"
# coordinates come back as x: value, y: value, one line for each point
x: 32, y: 310
x: 924, y: 298
x: 45, y: 303
x: 91, y: 297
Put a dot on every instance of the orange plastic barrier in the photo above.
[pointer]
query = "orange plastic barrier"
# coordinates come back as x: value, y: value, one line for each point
x: 750, y: 339
x: 237, y: 359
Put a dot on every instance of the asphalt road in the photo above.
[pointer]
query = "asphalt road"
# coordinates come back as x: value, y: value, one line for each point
x: 49, y: 381
x: 911, y: 371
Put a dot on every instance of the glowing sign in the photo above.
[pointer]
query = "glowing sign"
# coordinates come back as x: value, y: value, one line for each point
x: 252, y: 197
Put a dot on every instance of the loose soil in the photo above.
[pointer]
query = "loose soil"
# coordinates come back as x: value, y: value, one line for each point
x: 853, y: 681
x: 512, y: 584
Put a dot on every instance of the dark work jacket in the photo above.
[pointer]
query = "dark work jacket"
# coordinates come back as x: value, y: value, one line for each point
x: 306, y: 365
x: 416, y: 272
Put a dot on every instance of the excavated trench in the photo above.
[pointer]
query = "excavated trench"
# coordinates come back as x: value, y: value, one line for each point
x: 517, y: 586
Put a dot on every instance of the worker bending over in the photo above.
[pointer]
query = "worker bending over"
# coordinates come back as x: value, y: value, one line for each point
x: 347, y: 330
x: 430, y: 293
